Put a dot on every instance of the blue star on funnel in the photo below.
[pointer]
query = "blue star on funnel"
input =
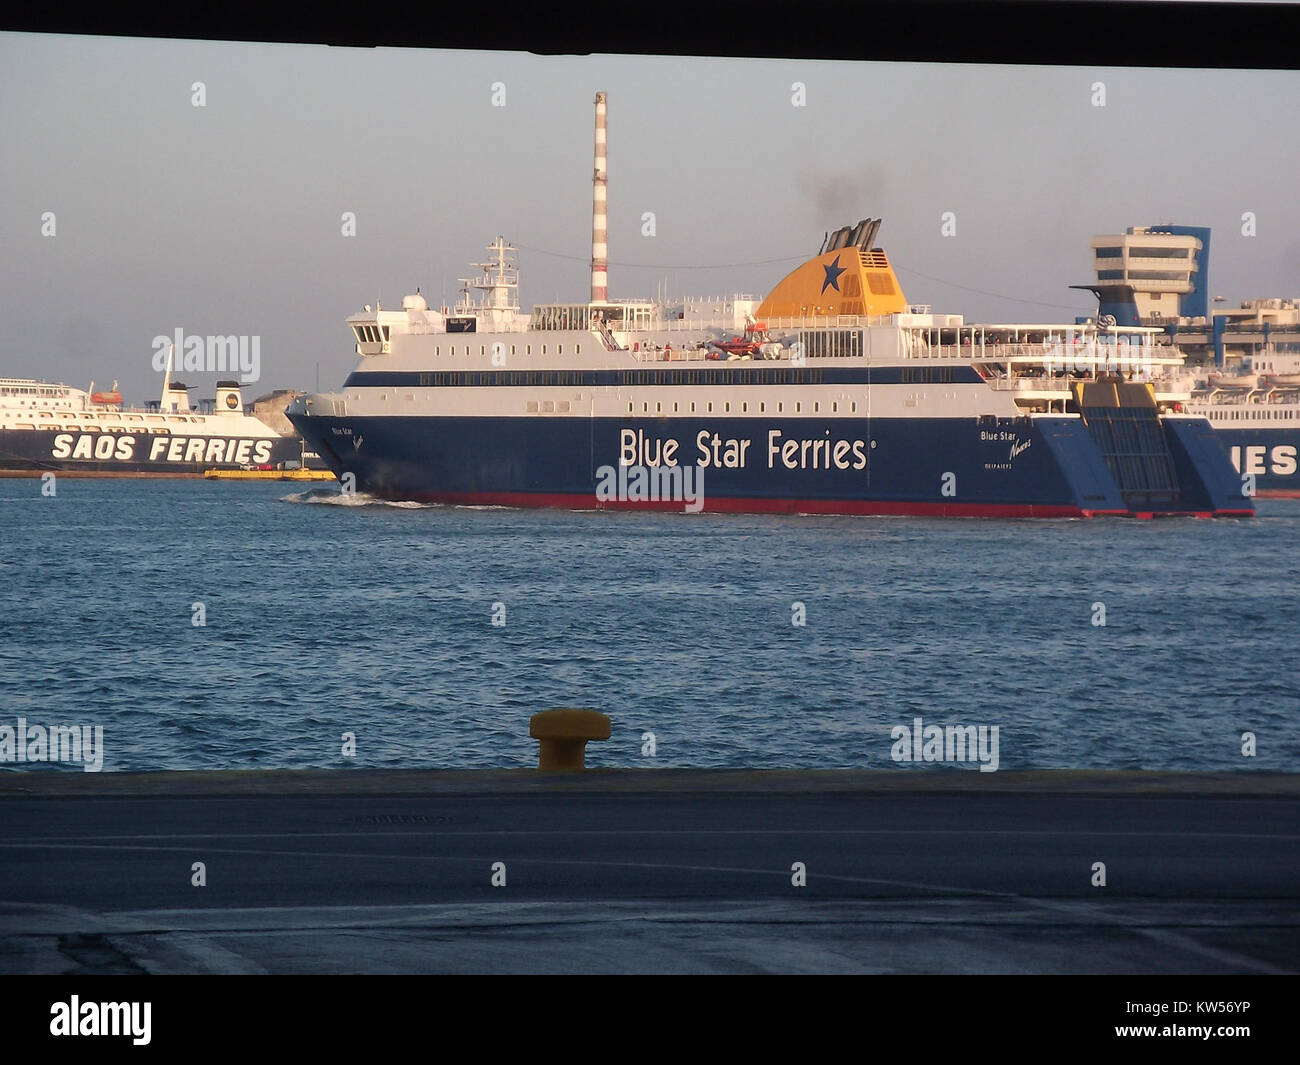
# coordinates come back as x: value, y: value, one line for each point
x: 833, y: 274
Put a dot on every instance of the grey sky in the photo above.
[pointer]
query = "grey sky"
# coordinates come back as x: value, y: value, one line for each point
x: 226, y: 219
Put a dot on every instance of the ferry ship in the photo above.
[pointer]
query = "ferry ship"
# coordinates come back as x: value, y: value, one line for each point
x: 1242, y: 369
x: 46, y: 427
x: 830, y: 395
x: 1256, y: 415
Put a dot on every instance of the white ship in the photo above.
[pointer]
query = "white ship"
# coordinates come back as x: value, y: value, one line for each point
x: 55, y: 427
x: 830, y: 395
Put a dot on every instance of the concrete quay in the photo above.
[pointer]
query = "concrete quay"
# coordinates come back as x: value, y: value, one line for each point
x: 654, y: 871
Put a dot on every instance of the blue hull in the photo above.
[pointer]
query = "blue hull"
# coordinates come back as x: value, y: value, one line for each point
x: 1271, y: 455
x: 1043, y: 467
x: 35, y: 451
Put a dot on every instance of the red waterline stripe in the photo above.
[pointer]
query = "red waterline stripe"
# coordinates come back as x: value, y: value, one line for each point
x: 571, y: 501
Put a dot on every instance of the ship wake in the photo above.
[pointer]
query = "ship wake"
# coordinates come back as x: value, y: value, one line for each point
x: 333, y: 497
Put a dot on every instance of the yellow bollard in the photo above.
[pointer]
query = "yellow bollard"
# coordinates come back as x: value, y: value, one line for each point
x: 564, y: 734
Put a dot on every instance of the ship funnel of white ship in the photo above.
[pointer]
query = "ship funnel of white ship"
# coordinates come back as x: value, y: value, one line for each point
x: 599, y: 213
x: 175, y: 396
x: 229, y: 398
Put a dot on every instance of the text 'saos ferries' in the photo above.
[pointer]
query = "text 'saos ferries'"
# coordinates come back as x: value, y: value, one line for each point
x: 830, y: 395
x: 55, y: 428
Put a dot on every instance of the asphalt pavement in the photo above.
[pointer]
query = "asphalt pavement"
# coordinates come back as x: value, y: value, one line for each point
x: 649, y: 871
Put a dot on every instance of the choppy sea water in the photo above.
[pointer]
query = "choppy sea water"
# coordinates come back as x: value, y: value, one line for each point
x: 325, y: 616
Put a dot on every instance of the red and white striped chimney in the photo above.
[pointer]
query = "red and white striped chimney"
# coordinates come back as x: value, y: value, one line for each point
x: 599, y: 213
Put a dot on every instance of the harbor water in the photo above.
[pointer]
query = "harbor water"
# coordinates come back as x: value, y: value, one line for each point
x: 430, y: 634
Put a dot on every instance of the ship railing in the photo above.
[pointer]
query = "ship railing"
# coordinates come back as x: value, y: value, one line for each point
x: 1018, y: 383
x: 771, y: 325
x: 1236, y: 398
x: 642, y: 353
x: 1043, y: 352
x: 1023, y: 354
x: 1060, y: 381
x: 982, y: 352
x: 723, y: 323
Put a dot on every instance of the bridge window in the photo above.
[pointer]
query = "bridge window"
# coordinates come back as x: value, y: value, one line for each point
x: 1160, y: 253
x: 1158, y: 275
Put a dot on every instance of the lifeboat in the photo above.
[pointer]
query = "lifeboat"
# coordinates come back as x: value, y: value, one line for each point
x: 104, y: 399
x: 737, y: 346
x: 1244, y: 380
x: 755, y: 337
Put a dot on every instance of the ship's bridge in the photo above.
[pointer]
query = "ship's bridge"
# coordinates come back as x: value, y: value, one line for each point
x: 374, y: 329
x: 20, y: 392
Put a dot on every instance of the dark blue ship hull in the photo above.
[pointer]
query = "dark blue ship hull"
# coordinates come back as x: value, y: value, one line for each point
x: 1041, y: 467
x: 31, y: 452
x: 1270, y: 455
